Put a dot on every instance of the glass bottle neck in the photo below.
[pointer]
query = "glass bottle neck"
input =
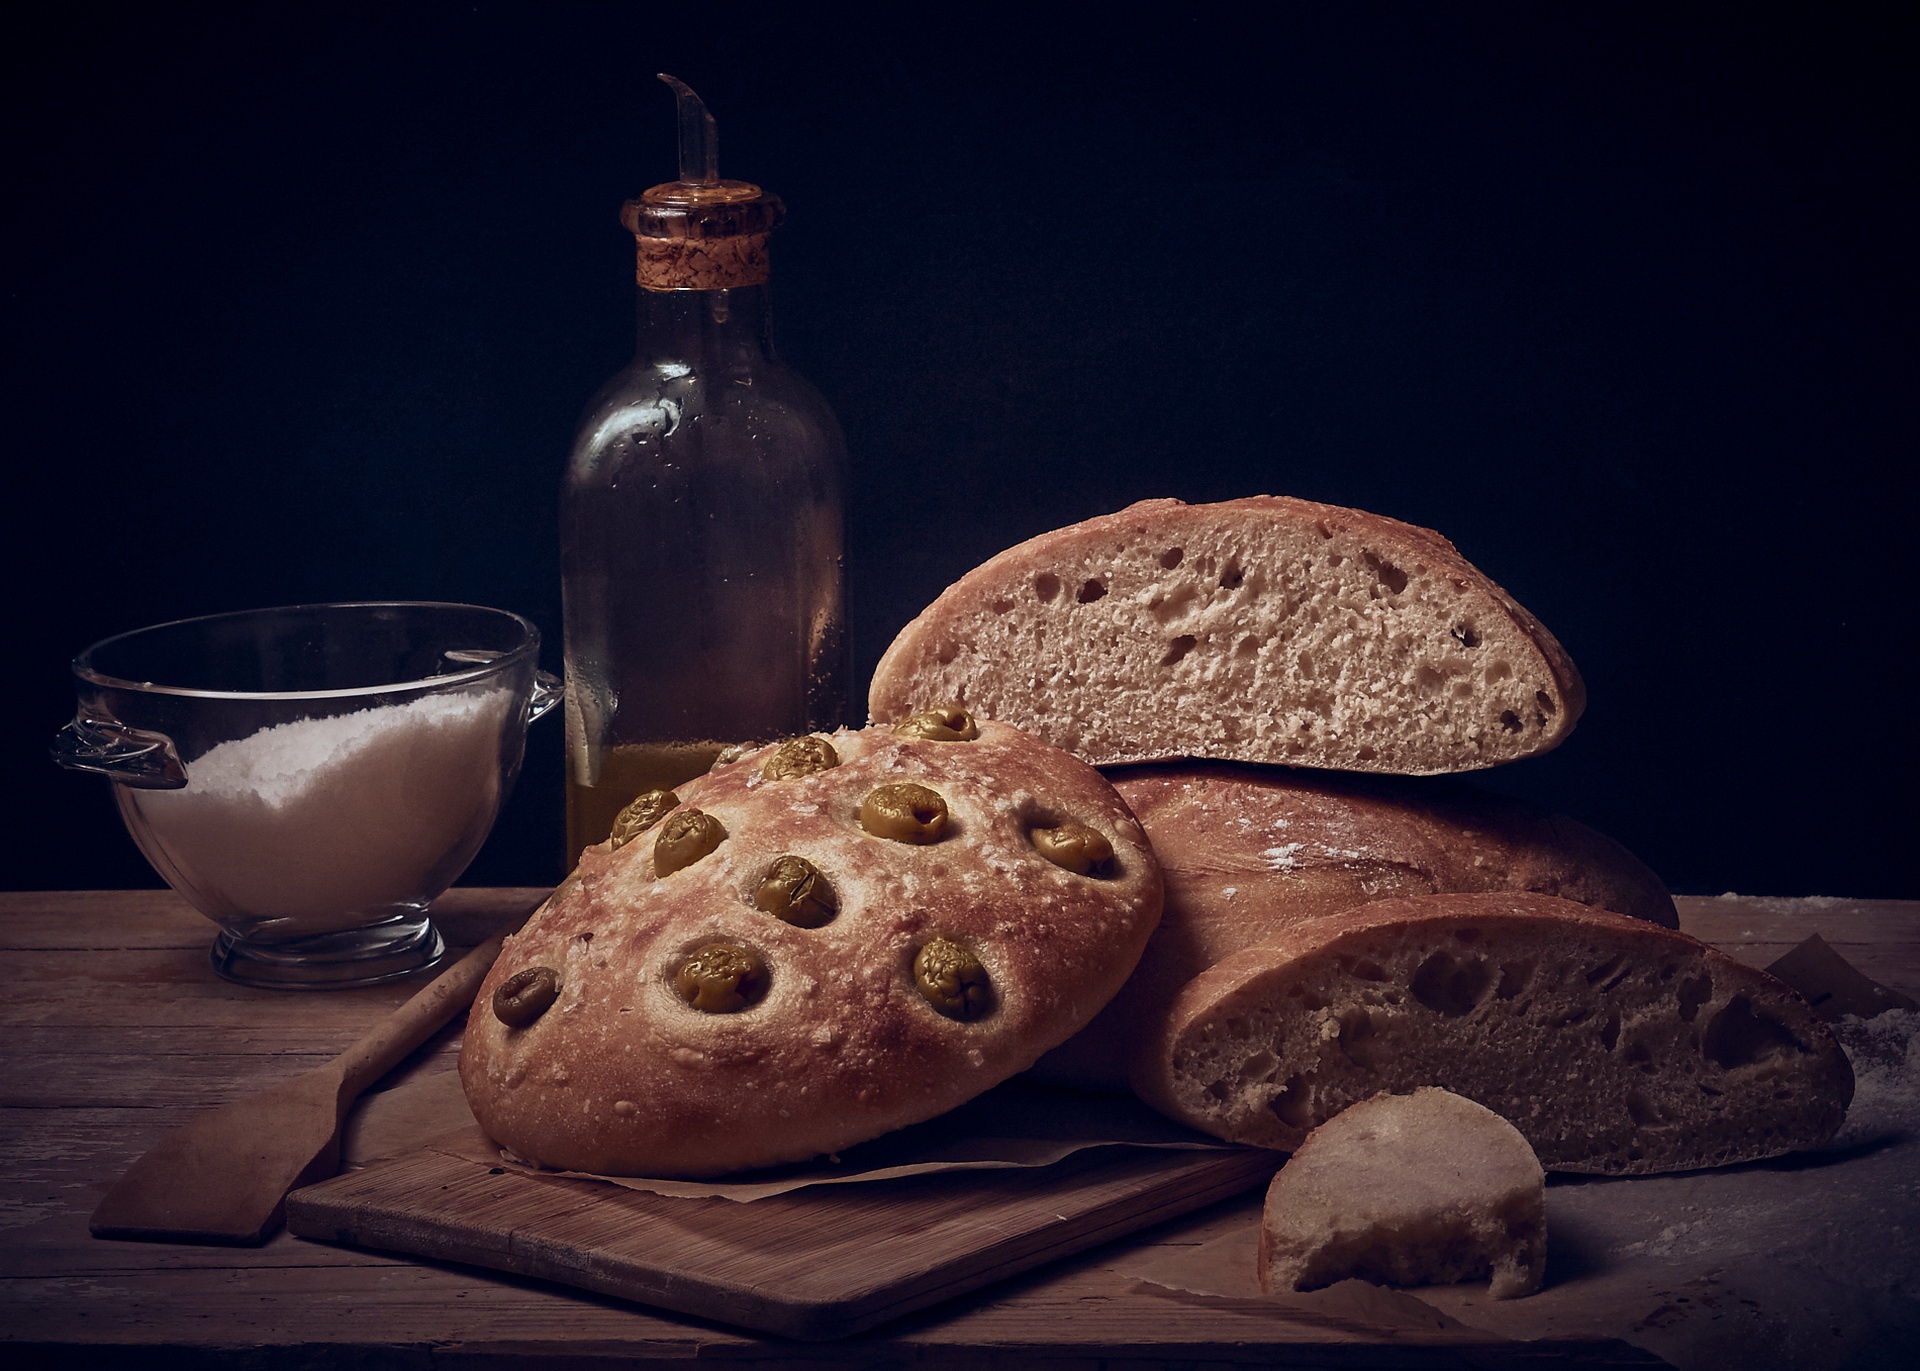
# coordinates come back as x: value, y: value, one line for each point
x: 681, y: 325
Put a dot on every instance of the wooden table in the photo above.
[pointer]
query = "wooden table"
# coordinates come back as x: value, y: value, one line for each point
x: 116, y: 1031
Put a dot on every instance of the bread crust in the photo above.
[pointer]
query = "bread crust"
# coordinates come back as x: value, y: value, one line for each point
x: 1263, y: 629
x: 1427, y: 1188
x: 622, y: 1076
x: 1613, y: 1045
x: 1248, y: 852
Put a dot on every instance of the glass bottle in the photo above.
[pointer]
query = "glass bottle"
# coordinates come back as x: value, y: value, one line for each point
x: 701, y: 513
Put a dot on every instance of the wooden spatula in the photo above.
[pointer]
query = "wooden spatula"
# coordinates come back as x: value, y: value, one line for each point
x: 224, y: 1177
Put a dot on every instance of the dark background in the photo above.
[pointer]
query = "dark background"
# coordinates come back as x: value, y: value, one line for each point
x: 303, y: 300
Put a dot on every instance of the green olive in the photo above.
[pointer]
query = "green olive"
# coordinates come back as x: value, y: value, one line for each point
x: 722, y: 979
x: 793, y: 890
x: 800, y: 756
x: 686, y: 837
x: 904, y: 812
x: 952, y: 979
x: 1076, y: 847
x: 525, y: 996
x: 642, y: 812
x: 943, y: 723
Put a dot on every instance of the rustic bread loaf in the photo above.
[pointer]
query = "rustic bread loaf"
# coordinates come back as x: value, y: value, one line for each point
x: 693, y: 1003
x: 1263, y: 629
x: 1421, y: 1189
x: 1613, y: 1045
x: 1250, y: 851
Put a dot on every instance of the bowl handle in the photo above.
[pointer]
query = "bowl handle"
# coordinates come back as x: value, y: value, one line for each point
x: 130, y: 756
x: 548, y: 691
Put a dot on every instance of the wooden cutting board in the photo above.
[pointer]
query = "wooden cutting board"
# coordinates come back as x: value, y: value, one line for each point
x: 816, y: 1263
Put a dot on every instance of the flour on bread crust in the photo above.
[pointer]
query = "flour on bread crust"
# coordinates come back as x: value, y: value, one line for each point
x: 622, y: 1076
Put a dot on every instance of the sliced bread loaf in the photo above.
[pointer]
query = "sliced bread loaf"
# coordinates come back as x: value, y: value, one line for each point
x: 1250, y: 851
x: 1421, y: 1189
x: 1263, y: 629
x: 1613, y: 1045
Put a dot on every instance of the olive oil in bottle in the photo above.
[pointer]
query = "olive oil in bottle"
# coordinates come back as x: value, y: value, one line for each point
x: 701, y: 513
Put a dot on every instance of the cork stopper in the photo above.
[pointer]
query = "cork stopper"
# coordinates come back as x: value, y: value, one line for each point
x: 700, y: 232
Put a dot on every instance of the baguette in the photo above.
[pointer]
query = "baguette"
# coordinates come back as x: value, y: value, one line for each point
x: 1263, y: 629
x: 1613, y: 1045
x: 1248, y: 852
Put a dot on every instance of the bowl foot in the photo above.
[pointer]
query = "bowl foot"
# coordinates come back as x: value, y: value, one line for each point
x: 332, y: 961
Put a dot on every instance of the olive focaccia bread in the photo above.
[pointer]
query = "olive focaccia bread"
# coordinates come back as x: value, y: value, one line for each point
x: 1249, y: 851
x: 1614, y: 1045
x: 821, y: 942
x: 1264, y: 629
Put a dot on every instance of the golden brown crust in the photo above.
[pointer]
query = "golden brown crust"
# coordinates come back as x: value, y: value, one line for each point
x: 622, y: 1076
x: 1250, y: 851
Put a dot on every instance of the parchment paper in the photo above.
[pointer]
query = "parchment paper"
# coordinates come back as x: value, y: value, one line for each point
x: 1013, y: 1125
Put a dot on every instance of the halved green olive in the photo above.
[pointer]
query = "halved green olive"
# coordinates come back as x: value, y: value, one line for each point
x: 1076, y: 847
x: 794, y: 891
x: 686, y: 837
x: 943, y: 723
x: 641, y: 813
x: 904, y: 812
x: 952, y: 979
x: 800, y: 756
x: 525, y: 995
x: 722, y: 979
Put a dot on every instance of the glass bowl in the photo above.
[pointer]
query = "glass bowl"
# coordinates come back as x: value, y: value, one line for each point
x: 312, y: 777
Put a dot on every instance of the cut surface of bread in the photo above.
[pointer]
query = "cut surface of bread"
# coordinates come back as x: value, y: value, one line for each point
x: 1264, y: 629
x: 1614, y: 1046
x: 1249, y: 851
x: 689, y: 1006
x: 1421, y: 1189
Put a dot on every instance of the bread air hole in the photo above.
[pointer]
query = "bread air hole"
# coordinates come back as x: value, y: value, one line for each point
x: 1694, y: 992
x: 1509, y: 721
x: 1293, y: 1106
x: 1091, y: 589
x: 1046, y: 586
x: 1358, y: 1041
x: 1177, y: 649
x: 1466, y: 634
x: 1451, y: 987
x: 1231, y: 578
x: 1386, y: 573
x: 1513, y: 979
x: 1171, y: 557
x: 1606, y: 968
x: 1546, y: 702
x: 1739, y: 1036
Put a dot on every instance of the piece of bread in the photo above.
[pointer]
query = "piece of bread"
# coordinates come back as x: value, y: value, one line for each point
x: 1421, y: 1189
x: 837, y: 1042
x: 1248, y: 852
x: 1613, y: 1045
x: 1263, y: 629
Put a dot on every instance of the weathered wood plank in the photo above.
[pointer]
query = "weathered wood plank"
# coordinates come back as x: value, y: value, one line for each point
x: 1880, y: 937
